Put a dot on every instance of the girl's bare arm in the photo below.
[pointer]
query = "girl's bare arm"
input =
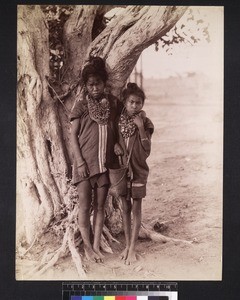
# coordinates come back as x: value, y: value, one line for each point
x: 74, y: 141
x: 144, y: 135
x: 81, y: 164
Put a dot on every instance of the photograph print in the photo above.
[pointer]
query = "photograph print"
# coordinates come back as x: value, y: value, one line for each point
x: 119, y: 142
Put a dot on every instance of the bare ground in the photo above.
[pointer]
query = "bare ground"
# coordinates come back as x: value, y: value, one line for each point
x: 184, y: 190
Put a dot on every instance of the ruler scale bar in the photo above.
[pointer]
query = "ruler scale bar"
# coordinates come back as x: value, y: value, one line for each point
x: 119, y: 291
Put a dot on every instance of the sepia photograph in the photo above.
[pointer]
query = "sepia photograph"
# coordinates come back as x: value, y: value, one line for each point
x: 119, y: 142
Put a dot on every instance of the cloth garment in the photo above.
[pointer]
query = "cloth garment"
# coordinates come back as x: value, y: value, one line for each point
x: 98, y: 180
x: 96, y: 141
x: 138, y: 168
x: 136, y: 190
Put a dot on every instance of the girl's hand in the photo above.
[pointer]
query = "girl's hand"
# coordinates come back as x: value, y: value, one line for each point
x: 118, y: 149
x: 83, y: 170
x: 142, y: 114
x: 138, y: 121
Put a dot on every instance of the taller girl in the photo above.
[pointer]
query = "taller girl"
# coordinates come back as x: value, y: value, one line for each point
x: 93, y: 136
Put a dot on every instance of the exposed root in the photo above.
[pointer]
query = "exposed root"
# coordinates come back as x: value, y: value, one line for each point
x: 23, y: 251
x: 105, y: 246
x: 41, y: 268
x: 78, y: 241
x: 46, y: 257
x: 67, y: 230
x: 75, y: 255
x: 61, y: 251
x: 158, y: 237
x: 109, y: 236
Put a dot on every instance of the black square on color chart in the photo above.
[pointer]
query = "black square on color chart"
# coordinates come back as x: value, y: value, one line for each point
x: 158, y: 298
x: 229, y: 287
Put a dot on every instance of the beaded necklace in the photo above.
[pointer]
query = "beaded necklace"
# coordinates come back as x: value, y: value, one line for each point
x: 99, y: 111
x: 127, y: 127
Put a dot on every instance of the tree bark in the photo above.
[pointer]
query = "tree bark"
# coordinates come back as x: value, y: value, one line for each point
x: 40, y: 149
x: 78, y: 37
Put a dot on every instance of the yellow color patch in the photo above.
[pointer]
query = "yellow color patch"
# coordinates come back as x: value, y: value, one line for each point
x: 109, y: 297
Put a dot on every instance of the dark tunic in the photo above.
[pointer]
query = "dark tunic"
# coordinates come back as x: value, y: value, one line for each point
x: 139, y: 169
x: 96, y: 141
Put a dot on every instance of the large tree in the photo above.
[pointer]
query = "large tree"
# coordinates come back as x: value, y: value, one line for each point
x: 47, y: 88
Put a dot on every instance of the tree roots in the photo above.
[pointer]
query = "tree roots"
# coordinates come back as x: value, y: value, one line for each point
x: 71, y: 239
x: 158, y: 237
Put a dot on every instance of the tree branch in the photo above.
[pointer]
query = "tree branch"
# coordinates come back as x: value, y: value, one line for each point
x: 124, y: 39
x: 102, y: 45
x: 154, y: 23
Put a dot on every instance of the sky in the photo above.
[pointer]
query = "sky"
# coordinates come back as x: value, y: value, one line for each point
x: 203, y: 57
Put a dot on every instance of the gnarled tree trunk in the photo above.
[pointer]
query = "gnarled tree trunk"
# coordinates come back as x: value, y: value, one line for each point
x: 41, y: 157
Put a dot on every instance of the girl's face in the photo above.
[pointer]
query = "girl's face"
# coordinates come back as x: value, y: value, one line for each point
x: 95, y: 86
x: 133, y: 104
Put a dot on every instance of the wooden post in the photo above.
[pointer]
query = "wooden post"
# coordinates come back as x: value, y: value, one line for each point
x: 141, y: 73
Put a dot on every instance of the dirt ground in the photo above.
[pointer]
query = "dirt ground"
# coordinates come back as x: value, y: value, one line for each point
x: 184, y: 189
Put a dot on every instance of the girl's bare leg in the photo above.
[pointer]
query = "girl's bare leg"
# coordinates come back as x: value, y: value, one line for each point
x: 99, y: 202
x: 137, y: 216
x: 85, y: 196
x: 127, y: 206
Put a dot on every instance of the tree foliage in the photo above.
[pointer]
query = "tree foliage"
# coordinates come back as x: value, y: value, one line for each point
x: 190, y: 30
x: 56, y: 16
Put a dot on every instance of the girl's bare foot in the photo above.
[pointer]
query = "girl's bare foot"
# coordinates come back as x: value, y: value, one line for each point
x: 124, y: 254
x: 132, y: 257
x: 99, y: 253
x: 91, y: 255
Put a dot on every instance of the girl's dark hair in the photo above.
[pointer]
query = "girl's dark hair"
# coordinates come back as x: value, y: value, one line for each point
x: 95, y: 67
x: 133, y: 89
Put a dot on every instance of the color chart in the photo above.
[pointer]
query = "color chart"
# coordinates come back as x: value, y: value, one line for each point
x: 119, y: 291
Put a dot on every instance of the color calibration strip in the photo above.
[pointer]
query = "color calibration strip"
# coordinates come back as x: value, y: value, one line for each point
x: 119, y: 298
x: 119, y: 291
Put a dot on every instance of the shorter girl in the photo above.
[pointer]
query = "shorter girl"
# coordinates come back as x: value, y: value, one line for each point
x: 135, y: 131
